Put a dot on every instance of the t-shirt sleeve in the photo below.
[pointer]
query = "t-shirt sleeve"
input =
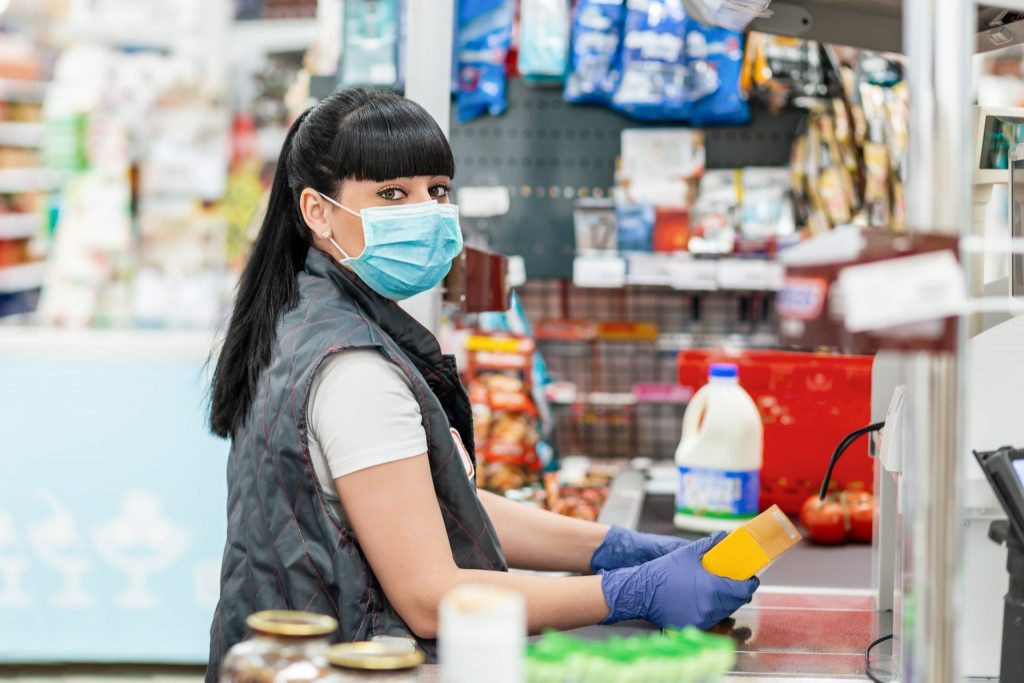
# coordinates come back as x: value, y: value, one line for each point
x: 362, y: 412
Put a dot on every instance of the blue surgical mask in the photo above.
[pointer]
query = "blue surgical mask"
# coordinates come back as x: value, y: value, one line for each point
x: 409, y: 247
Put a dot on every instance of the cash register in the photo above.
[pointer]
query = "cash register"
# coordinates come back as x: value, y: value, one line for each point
x: 1004, y: 469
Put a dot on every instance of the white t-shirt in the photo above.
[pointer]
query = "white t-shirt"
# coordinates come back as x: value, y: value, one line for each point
x: 361, y: 413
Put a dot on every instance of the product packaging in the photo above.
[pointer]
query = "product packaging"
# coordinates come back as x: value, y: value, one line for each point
x: 714, y: 62
x: 594, y: 224
x: 753, y: 546
x: 715, y: 219
x: 481, y: 50
x: 635, y: 225
x: 506, y: 429
x: 595, y: 54
x: 543, y: 40
x: 654, y: 83
x: 370, y: 55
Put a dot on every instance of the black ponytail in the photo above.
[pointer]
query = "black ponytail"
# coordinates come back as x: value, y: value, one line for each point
x: 358, y: 134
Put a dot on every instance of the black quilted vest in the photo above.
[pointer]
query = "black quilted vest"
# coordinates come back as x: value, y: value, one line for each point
x: 286, y: 548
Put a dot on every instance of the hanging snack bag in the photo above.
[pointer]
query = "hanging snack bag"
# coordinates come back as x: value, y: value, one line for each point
x: 481, y: 47
x: 654, y: 74
x: 595, y: 55
x: 544, y: 40
x: 715, y: 60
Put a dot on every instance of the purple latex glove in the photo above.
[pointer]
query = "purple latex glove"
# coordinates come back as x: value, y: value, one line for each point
x: 674, y: 591
x: 625, y: 548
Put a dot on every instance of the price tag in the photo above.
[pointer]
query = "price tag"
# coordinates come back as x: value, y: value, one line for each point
x: 483, y: 202
x: 697, y: 276
x: 748, y: 274
x: 649, y: 269
x: 599, y: 271
x: 904, y: 290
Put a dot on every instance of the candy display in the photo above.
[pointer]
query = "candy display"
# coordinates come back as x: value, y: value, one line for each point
x: 849, y: 166
x: 687, y: 656
x: 505, y: 423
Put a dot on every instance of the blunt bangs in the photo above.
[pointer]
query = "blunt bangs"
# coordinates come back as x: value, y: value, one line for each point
x: 391, y: 137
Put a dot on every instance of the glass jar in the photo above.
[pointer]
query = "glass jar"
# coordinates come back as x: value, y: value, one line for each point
x: 390, y: 660
x: 285, y: 647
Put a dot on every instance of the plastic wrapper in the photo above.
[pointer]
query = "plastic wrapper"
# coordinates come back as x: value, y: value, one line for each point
x: 714, y: 62
x: 544, y: 40
x: 371, y: 44
x: 596, y: 51
x: 654, y: 71
x: 481, y: 49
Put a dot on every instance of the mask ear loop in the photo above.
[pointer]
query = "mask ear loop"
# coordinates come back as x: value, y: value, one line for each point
x: 330, y: 236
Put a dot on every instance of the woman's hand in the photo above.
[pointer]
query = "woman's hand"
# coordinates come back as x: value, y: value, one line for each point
x: 624, y: 548
x: 675, y: 590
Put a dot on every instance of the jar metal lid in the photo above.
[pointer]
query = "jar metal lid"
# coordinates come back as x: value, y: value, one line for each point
x: 291, y: 623
x: 375, y: 656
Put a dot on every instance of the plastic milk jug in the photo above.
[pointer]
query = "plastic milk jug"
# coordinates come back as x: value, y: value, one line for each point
x: 719, y: 456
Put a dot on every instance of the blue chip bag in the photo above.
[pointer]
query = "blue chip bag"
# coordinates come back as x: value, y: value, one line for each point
x: 481, y: 48
x: 635, y: 226
x: 595, y: 53
x: 654, y: 68
x: 714, y: 62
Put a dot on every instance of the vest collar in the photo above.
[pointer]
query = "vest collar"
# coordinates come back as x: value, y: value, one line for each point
x: 417, y: 341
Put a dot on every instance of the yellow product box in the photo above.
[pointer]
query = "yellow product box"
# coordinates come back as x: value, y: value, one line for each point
x: 753, y: 546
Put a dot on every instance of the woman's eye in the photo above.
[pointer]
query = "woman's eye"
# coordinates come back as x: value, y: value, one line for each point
x: 439, y: 191
x: 391, y: 194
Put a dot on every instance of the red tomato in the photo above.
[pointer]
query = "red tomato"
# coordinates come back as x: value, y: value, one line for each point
x: 861, y: 508
x: 827, y: 521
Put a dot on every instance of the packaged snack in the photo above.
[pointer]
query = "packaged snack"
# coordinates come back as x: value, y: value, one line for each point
x: 594, y: 223
x: 481, y: 49
x: 544, y: 40
x: 596, y: 51
x: 371, y: 44
x: 767, y: 210
x: 715, y: 214
x: 635, y: 225
x: 714, y: 62
x: 654, y: 70
x: 671, y: 229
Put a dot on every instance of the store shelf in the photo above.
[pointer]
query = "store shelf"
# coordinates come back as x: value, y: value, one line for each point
x: 680, y: 272
x: 272, y: 35
x: 22, y: 278
x: 14, y: 180
x: 13, y: 134
x: 22, y: 91
x: 16, y: 226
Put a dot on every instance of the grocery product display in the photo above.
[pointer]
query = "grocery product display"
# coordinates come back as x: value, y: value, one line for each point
x: 691, y: 249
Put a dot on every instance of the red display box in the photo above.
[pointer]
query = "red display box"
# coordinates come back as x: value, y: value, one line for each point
x: 808, y: 403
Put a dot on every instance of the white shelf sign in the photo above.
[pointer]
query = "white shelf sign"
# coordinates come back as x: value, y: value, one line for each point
x: 694, y: 275
x: 899, y: 291
x: 599, y: 271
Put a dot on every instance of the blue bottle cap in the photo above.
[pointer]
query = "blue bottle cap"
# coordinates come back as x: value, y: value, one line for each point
x: 724, y: 370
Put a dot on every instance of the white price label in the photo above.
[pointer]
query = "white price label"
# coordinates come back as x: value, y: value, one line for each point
x: 483, y: 202
x: 749, y: 274
x: 599, y: 271
x: 694, y: 275
x: 899, y: 291
x: 649, y: 269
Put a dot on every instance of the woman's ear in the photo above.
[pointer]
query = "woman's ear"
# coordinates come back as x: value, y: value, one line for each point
x: 314, y: 212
